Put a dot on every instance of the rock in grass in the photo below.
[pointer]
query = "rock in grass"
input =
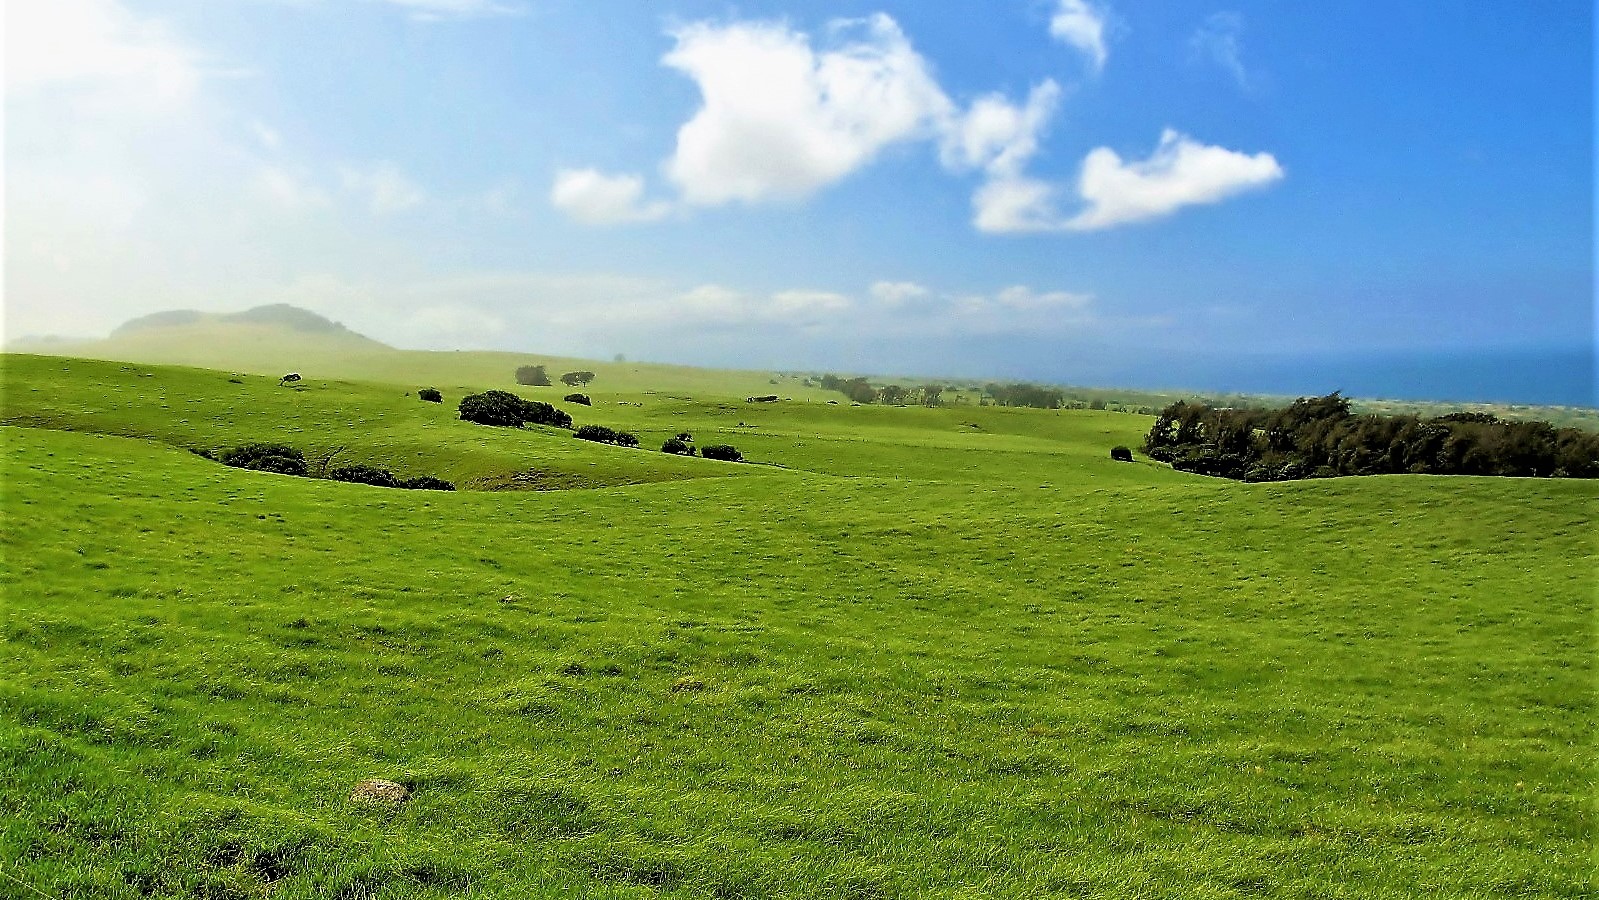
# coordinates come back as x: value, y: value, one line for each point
x: 377, y: 792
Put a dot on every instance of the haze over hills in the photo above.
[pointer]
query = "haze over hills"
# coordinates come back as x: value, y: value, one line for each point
x: 279, y: 338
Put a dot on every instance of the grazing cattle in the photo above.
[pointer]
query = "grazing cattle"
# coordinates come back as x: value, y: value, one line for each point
x: 292, y: 376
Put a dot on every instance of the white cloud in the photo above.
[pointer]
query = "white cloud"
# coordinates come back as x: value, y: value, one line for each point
x: 1220, y: 41
x: 895, y: 294
x: 384, y: 188
x: 595, y: 198
x: 997, y: 135
x: 1082, y: 25
x: 1181, y: 172
x: 782, y: 118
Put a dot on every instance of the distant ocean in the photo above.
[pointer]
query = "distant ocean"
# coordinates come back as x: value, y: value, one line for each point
x: 1545, y: 376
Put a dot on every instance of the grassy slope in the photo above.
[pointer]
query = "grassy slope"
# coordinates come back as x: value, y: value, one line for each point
x: 939, y: 653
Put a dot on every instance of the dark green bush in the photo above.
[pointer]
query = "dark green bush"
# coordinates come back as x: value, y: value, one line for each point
x: 1121, y: 454
x: 430, y: 395
x: 426, y: 483
x: 532, y: 375
x: 597, y: 433
x: 676, y: 445
x: 280, y: 458
x: 723, y: 452
x: 685, y: 437
x: 578, y: 398
x: 506, y: 409
x: 626, y: 439
x: 365, y: 475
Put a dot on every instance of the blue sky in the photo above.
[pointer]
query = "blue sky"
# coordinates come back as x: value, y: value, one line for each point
x: 1246, y: 195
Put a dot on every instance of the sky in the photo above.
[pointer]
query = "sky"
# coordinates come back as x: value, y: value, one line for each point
x: 1390, y: 199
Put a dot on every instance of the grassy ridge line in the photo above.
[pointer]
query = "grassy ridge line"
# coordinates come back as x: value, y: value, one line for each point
x: 274, y: 351
x: 364, y: 423
x: 378, y: 424
x: 1345, y: 688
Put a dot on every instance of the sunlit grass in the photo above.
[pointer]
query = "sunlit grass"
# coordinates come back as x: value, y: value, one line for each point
x: 924, y: 653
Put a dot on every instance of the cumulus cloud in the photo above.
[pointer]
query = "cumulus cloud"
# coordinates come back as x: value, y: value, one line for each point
x: 1219, y: 41
x: 997, y: 135
x: 1082, y: 25
x: 1181, y: 172
x: 781, y: 118
x: 1113, y: 192
x: 382, y: 186
x: 595, y: 198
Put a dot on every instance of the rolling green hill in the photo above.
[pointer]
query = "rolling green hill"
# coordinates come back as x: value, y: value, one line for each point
x: 902, y: 653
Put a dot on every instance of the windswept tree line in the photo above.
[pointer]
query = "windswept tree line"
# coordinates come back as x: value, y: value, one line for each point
x: 1321, y: 437
x: 1016, y: 393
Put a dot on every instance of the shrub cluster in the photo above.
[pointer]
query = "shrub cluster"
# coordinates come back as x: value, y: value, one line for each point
x: 1321, y: 437
x: 1121, y: 454
x: 280, y: 458
x: 286, y: 460
x: 578, y: 398
x: 506, y: 409
x: 602, y: 435
x: 678, y: 446
x: 431, y: 395
x: 723, y: 452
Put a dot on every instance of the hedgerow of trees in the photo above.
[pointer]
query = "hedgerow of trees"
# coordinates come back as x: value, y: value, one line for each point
x: 1321, y: 437
x: 532, y: 375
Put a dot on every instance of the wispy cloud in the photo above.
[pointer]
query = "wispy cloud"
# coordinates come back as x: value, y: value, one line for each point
x: 440, y: 10
x: 1082, y: 25
x: 1219, y: 41
x: 382, y: 186
x: 595, y: 198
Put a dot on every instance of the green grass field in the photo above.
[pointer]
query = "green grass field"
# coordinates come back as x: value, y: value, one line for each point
x: 938, y: 653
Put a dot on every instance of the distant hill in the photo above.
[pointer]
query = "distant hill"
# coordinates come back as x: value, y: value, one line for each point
x: 280, y: 315
x: 264, y: 339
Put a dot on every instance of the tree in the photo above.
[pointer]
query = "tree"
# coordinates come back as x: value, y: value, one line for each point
x: 723, y: 452
x: 597, y: 433
x: 506, y: 409
x: 1121, y: 454
x: 931, y: 394
x: 577, y: 379
x: 893, y: 394
x: 532, y: 375
x: 674, y: 445
x: 579, y: 399
x: 431, y: 395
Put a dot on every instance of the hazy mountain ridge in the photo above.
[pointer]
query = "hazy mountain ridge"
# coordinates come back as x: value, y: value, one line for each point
x: 283, y: 315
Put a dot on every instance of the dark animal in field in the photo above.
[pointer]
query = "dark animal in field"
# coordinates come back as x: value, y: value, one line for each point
x: 291, y: 377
